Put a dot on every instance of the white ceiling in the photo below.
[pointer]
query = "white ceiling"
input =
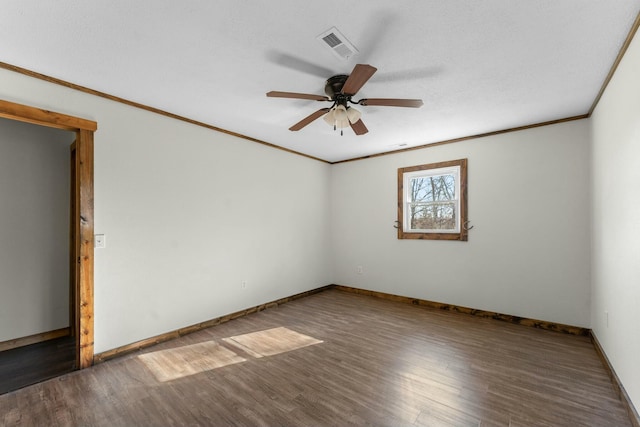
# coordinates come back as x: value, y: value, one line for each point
x: 479, y: 66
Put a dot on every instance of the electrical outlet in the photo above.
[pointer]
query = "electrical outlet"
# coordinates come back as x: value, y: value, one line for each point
x: 244, y: 284
x: 606, y: 318
x: 359, y: 269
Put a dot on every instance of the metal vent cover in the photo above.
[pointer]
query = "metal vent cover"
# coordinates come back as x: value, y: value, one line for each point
x: 337, y: 43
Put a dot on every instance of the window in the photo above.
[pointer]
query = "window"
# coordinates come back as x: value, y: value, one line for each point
x: 432, y: 201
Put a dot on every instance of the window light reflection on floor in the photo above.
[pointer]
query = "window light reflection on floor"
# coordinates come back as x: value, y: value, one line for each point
x: 175, y: 363
x: 271, y: 341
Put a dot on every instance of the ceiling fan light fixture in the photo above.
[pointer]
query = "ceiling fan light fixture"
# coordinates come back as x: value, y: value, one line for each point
x: 338, y: 117
x: 341, y: 124
x: 330, y: 117
x: 353, y: 114
x: 341, y: 114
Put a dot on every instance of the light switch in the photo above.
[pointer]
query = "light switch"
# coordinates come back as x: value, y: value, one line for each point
x: 100, y: 241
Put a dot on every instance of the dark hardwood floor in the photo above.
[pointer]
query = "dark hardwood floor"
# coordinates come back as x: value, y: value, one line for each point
x: 337, y: 358
x: 23, y: 366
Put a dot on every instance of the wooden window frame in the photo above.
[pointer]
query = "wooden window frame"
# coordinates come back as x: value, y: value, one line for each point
x: 83, y: 216
x: 462, y: 234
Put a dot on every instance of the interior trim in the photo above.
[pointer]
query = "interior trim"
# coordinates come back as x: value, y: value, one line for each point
x: 37, y: 116
x: 142, y: 344
x: 460, y: 211
x: 617, y: 385
x: 34, y: 339
x: 148, y: 342
x: 550, y: 326
x: 540, y: 324
x: 84, y: 130
x: 623, y: 50
x: 84, y: 89
x: 467, y: 138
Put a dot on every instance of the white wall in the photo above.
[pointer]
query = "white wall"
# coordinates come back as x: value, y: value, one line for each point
x: 34, y: 229
x: 189, y: 214
x: 616, y: 221
x: 528, y: 253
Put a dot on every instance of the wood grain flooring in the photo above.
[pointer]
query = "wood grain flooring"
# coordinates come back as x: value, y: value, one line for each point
x: 32, y: 363
x: 379, y: 362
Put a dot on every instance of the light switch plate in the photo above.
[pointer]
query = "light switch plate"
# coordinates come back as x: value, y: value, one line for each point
x: 100, y: 241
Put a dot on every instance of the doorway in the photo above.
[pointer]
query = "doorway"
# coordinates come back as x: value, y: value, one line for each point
x: 36, y: 341
x: 80, y: 233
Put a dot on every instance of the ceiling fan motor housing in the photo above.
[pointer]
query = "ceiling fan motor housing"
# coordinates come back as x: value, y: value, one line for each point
x: 333, y: 86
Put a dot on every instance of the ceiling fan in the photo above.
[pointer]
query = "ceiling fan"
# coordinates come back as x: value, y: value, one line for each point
x: 340, y: 89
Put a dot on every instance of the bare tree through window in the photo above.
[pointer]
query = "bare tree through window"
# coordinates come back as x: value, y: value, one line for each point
x: 433, y: 203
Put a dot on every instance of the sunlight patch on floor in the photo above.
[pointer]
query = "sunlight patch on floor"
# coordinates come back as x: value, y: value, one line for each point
x: 174, y: 363
x: 271, y: 341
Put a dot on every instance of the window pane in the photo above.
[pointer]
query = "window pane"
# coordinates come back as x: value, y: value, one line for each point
x: 432, y: 188
x: 433, y: 216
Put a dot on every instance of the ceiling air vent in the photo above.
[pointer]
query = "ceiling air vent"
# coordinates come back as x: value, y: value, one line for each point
x: 337, y: 43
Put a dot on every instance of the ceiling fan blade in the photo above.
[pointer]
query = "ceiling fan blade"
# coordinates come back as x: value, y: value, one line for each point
x: 311, y: 117
x: 390, y: 102
x: 359, y: 128
x: 277, y: 94
x: 359, y: 76
x: 299, y: 64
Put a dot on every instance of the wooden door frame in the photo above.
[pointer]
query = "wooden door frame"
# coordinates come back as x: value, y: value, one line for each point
x: 83, y: 194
